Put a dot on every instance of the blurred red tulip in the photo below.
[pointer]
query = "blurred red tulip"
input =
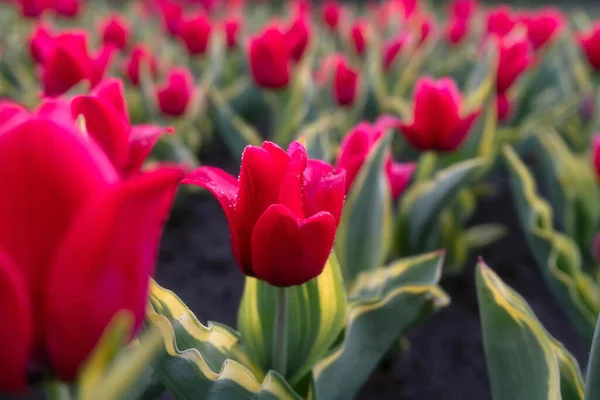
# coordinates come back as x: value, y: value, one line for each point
x: 281, y: 204
x: 67, y: 8
x: 392, y: 49
x: 175, y: 94
x: 327, y: 68
x: 298, y: 35
x: 503, y: 107
x: 77, y: 245
x: 107, y: 122
x: 345, y: 83
x: 232, y: 26
x: 456, y: 31
x: 355, y: 148
x: 140, y: 55
x: 596, y: 153
x: 427, y: 25
x: 195, y: 33
x: 40, y: 42
x: 463, y: 9
x: 115, y: 31
x: 331, y: 13
x: 358, y: 36
x: 68, y: 62
x: 171, y: 14
x: 409, y: 8
x: 34, y: 8
x: 542, y: 25
x: 590, y: 43
x: 500, y: 21
x: 448, y: 129
x: 515, y: 57
x: 270, y: 58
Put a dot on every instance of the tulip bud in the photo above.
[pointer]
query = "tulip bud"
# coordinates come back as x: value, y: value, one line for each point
x: 298, y: 35
x: 503, y: 106
x: 232, y: 28
x: 514, y: 58
x: 345, y: 83
x: 34, y: 8
x: 270, y: 57
x: 139, y: 55
x: 331, y: 14
x: 596, y: 153
x: 500, y: 21
x: 358, y: 36
x: 409, y: 8
x: 447, y: 131
x: 590, y: 43
x: 463, y: 9
x: 171, y: 13
x: 542, y: 26
x: 392, y: 49
x: 175, y: 94
x: 195, y: 33
x: 456, y: 31
x: 67, y: 8
x: 427, y: 25
x: 281, y: 205
x: 115, y: 31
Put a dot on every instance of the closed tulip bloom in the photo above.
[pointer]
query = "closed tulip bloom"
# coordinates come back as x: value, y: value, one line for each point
x: 283, y: 211
x: 298, y: 35
x: 77, y: 245
x: 590, y: 43
x: 409, y: 8
x: 115, y: 31
x: 427, y: 25
x: 140, y: 55
x: 195, y: 33
x: 171, y: 14
x: 500, y: 21
x: 345, y: 83
x: 542, y: 26
x: 515, y: 57
x: 392, y: 49
x: 67, y: 8
x: 107, y: 121
x: 270, y: 58
x: 463, y: 9
x: 596, y: 153
x: 358, y: 36
x: 503, y: 106
x: 232, y: 26
x: 40, y: 42
x: 354, y: 150
x: 34, y: 8
x: 438, y: 123
x: 331, y: 14
x: 68, y: 62
x: 456, y: 31
x: 175, y: 94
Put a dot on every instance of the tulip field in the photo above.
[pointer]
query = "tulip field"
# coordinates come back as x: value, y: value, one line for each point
x: 229, y: 199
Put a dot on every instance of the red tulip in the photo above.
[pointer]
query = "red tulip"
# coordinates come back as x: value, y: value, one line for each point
x: 298, y: 35
x: 503, y: 106
x: 590, y: 43
x: 232, y: 28
x: 426, y: 27
x: 542, y: 26
x: 283, y: 211
x: 107, y: 122
x: 77, y: 245
x: 195, y: 33
x: 270, y: 57
x: 358, y: 35
x: 456, y: 31
x: 345, y: 83
x: 463, y: 9
x: 174, y: 96
x: 34, y: 8
x: 515, y: 57
x: 327, y: 68
x: 596, y: 153
x: 68, y: 62
x: 437, y: 121
x: 500, y: 21
x: 331, y: 14
x: 115, y: 31
x: 67, y: 8
x: 392, y: 49
x: 355, y: 148
x: 40, y: 42
x: 409, y: 7
x: 140, y: 55
x: 171, y: 14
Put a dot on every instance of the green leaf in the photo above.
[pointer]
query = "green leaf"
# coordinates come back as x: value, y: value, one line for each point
x: 555, y: 253
x: 481, y: 235
x: 317, y: 311
x: 524, y: 361
x: 363, y: 234
x: 206, y: 362
x: 384, y: 303
x: 592, y: 382
x: 236, y: 133
x: 422, y: 204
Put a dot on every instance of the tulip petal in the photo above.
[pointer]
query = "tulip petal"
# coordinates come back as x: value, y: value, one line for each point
x: 111, y: 91
x: 49, y: 173
x: 16, y: 328
x: 453, y: 141
x: 63, y: 69
x: 103, y: 265
x: 141, y: 142
x: 287, y: 251
x: 324, y: 190
x: 399, y: 175
x: 292, y: 184
x: 10, y: 109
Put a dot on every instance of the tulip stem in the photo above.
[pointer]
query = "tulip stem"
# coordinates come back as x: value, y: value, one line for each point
x: 280, y: 332
x: 56, y: 390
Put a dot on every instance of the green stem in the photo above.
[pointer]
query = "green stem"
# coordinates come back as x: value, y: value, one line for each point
x: 427, y: 166
x: 280, y: 332
x: 56, y: 390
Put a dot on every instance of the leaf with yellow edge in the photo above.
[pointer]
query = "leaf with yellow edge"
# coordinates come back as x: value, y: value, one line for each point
x: 524, y: 361
x: 556, y: 254
x: 316, y: 309
x: 206, y: 362
x: 384, y: 303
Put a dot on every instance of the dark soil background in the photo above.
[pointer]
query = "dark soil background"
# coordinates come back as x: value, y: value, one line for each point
x: 446, y: 359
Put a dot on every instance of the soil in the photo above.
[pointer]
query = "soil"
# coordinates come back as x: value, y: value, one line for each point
x: 446, y: 359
